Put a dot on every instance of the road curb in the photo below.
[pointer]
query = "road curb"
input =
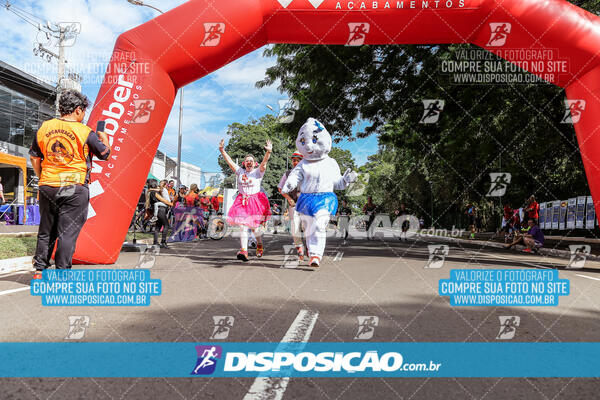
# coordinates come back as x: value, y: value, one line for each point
x: 18, y: 234
x: 542, y: 251
x: 10, y: 265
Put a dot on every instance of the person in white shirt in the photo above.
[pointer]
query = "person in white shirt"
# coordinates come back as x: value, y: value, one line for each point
x: 317, y: 176
x: 292, y: 198
x: 251, y: 207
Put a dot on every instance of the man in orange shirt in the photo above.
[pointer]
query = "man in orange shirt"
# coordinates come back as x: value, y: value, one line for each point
x: 61, y: 156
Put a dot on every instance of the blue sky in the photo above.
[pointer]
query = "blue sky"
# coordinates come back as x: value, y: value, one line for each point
x: 210, y: 104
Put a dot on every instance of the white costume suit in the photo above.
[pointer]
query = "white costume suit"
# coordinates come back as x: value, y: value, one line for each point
x: 317, y: 176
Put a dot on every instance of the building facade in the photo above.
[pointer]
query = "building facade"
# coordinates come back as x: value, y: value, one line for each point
x: 25, y: 102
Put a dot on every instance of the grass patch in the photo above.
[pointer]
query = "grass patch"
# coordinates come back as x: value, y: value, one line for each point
x: 11, y: 247
x: 138, y: 236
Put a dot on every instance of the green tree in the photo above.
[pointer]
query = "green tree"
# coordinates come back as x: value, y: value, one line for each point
x: 435, y: 168
x: 343, y: 157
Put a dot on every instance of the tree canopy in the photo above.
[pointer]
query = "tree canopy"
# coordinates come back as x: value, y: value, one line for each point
x: 435, y: 168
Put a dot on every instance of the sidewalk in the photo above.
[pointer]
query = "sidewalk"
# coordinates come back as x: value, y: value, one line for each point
x: 18, y: 230
x: 550, y: 247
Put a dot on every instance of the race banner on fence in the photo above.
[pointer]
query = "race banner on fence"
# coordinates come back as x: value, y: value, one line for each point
x: 590, y: 213
x: 571, y: 208
x: 580, y: 214
x: 563, y: 214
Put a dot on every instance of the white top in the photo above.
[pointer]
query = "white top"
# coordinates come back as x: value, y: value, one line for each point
x: 249, y: 182
x: 315, y: 177
x: 164, y: 193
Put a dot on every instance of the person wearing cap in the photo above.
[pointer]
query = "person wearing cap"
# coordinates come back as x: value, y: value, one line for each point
x: 61, y: 156
x: 292, y: 198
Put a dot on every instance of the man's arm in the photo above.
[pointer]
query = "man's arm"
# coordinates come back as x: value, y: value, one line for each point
x: 36, y: 163
x: 36, y: 156
x: 99, y: 145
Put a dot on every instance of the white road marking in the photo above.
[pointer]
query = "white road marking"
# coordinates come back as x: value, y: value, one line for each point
x: 589, y: 277
x: 264, y: 387
x: 14, y: 290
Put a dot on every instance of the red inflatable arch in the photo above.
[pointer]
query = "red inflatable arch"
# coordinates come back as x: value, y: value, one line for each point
x: 152, y: 61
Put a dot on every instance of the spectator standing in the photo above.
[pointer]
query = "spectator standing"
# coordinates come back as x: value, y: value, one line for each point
x: 533, y: 209
x: 160, y: 211
x: 2, y: 200
x: 180, y: 197
x: 344, y: 214
x: 471, y: 219
x: 369, y: 209
x: 61, y: 156
x: 292, y: 198
x: 406, y: 223
x: 205, y: 203
x: 216, y: 205
x: 192, y: 199
x: 171, y: 189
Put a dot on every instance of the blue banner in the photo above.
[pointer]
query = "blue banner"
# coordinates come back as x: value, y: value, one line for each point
x: 96, y: 287
x: 324, y: 360
x: 503, y: 287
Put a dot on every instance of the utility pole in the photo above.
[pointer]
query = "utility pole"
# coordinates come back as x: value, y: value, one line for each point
x: 61, y: 32
x: 61, y: 65
x: 179, y: 134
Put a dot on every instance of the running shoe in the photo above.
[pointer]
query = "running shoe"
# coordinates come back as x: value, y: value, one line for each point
x: 314, y: 261
x: 300, y: 250
x: 37, y: 275
x: 242, y: 255
x: 526, y: 250
x: 259, y: 250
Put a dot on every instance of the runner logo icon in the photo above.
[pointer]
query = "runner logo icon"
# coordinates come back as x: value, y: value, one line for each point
x: 358, y: 33
x: 508, y: 327
x: 77, y: 326
x: 212, y: 34
x: 223, y: 324
x: 437, y: 255
x: 499, y: 34
x: 432, y: 111
x: 579, y: 254
x: 366, y: 327
x: 207, y: 359
x: 573, y: 111
x: 500, y: 181
x: 143, y: 109
x: 287, y: 110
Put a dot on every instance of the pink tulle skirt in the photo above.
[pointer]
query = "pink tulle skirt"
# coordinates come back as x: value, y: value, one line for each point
x: 250, y: 210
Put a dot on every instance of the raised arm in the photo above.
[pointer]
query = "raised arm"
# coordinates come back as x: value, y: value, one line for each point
x: 269, y: 149
x: 226, y: 156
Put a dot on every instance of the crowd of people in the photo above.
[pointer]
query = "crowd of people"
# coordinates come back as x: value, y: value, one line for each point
x: 159, y: 199
x: 523, y: 231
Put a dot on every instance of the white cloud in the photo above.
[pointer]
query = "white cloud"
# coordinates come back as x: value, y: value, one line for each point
x: 227, y: 95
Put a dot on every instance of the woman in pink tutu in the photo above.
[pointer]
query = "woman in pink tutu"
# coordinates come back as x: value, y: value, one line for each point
x: 251, y: 207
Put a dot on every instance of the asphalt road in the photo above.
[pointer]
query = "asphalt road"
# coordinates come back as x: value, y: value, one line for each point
x: 383, y: 278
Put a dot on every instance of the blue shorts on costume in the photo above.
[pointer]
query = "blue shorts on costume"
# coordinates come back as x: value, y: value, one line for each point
x: 311, y: 203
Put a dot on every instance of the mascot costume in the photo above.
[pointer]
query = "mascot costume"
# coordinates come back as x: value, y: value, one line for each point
x: 316, y: 177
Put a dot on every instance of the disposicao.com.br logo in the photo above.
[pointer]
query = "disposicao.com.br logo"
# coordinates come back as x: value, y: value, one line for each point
x: 291, y: 360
